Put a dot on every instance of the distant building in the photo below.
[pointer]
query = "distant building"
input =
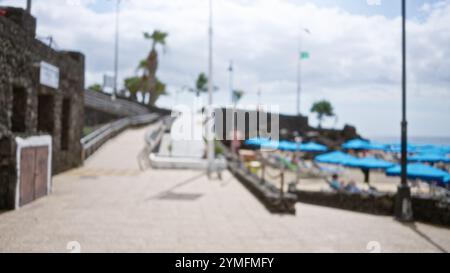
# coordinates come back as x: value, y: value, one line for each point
x: 41, y: 94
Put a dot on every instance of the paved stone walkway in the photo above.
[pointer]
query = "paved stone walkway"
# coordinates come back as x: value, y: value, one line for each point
x: 109, y: 205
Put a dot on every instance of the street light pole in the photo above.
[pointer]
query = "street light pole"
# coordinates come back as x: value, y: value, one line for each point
x: 29, y: 6
x: 233, y: 109
x: 210, y: 137
x: 116, y: 50
x: 299, y: 72
x: 403, y: 207
x: 231, y: 70
x: 299, y: 69
x: 259, y: 99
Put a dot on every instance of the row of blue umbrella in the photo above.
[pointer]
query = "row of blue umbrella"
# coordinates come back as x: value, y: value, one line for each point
x: 420, y: 149
x: 347, y: 160
x: 422, y: 153
x: 365, y: 164
x: 422, y: 172
x: 414, y: 170
x: 429, y: 158
x: 286, y: 145
x: 361, y: 144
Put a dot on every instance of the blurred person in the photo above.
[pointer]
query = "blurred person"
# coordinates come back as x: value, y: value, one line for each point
x: 334, y: 183
x: 351, y: 187
x: 441, y: 166
x: 236, y: 142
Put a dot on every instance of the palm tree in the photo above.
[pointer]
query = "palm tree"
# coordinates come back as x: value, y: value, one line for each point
x: 160, y: 89
x: 149, y: 82
x: 201, y: 85
x: 133, y: 85
x: 323, y: 109
x: 237, y: 95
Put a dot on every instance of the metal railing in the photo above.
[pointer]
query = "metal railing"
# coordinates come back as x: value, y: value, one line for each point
x: 92, y: 142
x: 153, y: 138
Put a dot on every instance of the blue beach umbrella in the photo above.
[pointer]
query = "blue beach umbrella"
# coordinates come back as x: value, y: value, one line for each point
x: 397, y: 148
x: 275, y: 145
x: 447, y: 149
x: 313, y: 147
x: 431, y: 149
x: 256, y: 141
x: 356, y: 144
x: 370, y: 163
x: 430, y: 158
x: 287, y: 146
x: 376, y: 146
x: 422, y: 172
x: 367, y: 164
x: 337, y: 157
x: 359, y: 144
x: 253, y: 142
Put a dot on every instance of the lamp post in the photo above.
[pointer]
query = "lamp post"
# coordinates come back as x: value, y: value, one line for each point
x: 403, y: 207
x: 231, y: 70
x: 259, y: 100
x: 116, y: 51
x: 210, y: 137
x: 299, y: 68
x: 298, y: 142
x: 29, y: 6
x: 233, y: 109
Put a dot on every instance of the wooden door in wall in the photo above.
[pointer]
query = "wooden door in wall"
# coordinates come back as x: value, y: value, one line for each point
x: 27, y: 158
x: 41, y: 171
x: 33, y: 174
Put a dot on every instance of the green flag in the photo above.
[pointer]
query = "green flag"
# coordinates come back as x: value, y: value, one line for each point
x: 304, y: 55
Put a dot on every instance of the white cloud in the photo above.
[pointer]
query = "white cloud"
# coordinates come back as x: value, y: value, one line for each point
x: 355, y: 59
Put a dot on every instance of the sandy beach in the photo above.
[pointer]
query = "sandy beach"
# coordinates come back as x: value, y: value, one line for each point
x: 378, y: 180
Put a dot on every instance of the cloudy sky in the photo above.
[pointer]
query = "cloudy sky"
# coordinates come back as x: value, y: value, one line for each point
x: 354, y: 45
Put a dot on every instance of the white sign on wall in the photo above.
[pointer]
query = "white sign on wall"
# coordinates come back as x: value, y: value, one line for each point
x: 49, y: 75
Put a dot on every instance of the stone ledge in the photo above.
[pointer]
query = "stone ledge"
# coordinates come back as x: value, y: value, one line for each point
x: 425, y: 209
x: 269, y: 196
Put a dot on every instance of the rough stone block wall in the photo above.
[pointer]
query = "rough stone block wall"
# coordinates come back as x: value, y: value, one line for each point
x: 93, y: 117
x: 20, y: 56
x: 425, y: 208
x: 431, y: 210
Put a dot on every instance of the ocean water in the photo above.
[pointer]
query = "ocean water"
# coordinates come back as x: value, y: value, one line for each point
x: 414, y: 140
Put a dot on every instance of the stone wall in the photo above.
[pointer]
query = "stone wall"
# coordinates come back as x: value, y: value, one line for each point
x: 431, y: 210
x: 378, y: 205
x: 288, y: 125
x: 28, y: 108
